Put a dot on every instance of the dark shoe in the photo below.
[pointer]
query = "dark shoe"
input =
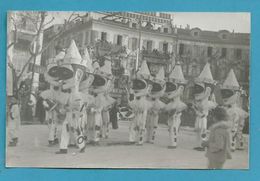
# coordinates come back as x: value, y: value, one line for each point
x: 199, y: 148
x: 172, y: 147
x: 15, y: 140
x: 62, y: 151
x: 51, y: 143
x: 150, y: 142
x: 72, y: 146
x: 12, y: 144
x: 82, y: 150
x: 56, y: 141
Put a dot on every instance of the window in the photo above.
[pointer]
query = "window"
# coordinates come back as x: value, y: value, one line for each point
x: 134, y: 43
x: 119, y: 40
x: 165, y: 47
x: 224, y: 36
x: 196, y: 33
x: 209, y: 52
x: 103, y: 36
x: 134, y: 25
x: 238, y: 54
x: 149, y: 45
x: 86, y: 38
x: 223, y: 52
x: 165, y: 30
x: 181, y: 49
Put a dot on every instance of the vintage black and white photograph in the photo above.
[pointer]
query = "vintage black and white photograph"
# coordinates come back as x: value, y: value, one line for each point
x: 159, y: 90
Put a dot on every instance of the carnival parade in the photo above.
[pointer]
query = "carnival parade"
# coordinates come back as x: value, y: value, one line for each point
x: 83, y: 118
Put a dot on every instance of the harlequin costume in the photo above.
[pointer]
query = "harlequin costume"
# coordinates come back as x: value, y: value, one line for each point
x: 157, y: 91
x: 140, y: 88
x: 174, y: 90
x: 203, y: 90
x: 230, y: 92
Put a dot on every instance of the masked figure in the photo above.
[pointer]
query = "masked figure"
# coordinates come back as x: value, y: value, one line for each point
x: 139, y: 104
x: 203, y: 90
x: 157, y: 91
x: 230, y: 92
x: 174, y: 91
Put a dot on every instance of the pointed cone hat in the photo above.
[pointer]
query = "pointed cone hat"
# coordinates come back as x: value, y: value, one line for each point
x: 206, y: 75
x: 231, y: 81
x: 144, y: 71
x: 177, y: 75
x: 72, y: 55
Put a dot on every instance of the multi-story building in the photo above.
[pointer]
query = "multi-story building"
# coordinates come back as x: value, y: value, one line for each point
x: 154, y: 37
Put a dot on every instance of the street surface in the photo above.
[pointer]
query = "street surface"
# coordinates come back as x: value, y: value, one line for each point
x: 33, y: 151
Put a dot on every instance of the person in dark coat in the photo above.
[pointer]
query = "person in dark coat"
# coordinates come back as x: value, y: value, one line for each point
x: 218, y: 144
x: 113, y: 114
x: 40, y: 111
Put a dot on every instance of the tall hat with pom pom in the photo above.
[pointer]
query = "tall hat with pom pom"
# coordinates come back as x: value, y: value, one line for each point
x: 231, y: 81
x: 206, y: 75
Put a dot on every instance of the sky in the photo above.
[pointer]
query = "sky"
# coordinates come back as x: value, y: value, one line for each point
x: 239, y: 22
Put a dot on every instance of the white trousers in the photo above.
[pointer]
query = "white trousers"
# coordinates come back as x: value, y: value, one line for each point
x: 174, y: 123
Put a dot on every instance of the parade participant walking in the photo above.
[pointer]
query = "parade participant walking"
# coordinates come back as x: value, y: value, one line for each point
x: 14, y: 121
x: 218, y: 144
x: 71, y: 72
x: 203, y: 90
x: 174, y: 90
x: 158, y: 88
x: 230, y: 92
x: 139, y: 104
x: 52, y: 98
x: 98, y: 115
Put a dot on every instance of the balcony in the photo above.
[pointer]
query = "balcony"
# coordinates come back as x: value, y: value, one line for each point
x: 156, y: 56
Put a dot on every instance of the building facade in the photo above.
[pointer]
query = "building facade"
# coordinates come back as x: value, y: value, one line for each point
x: 154, y: 37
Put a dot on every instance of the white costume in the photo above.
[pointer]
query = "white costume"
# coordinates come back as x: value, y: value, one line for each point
x: 174, y: 90
x: 13, y: 124
x: 71, y: 72
x: 230, y: 91
x: 52, y: 98
x: 98, y: 115
x: 203, y: 91
x: 139, y: 104
x: 158, y: 88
